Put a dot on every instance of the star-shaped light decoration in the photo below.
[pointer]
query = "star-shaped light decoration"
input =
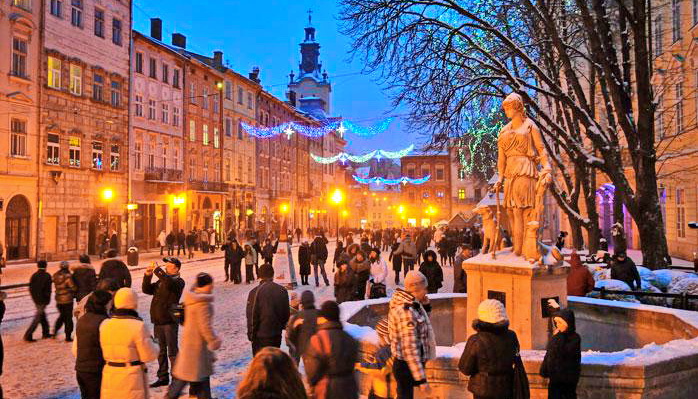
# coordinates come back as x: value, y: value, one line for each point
x: 343, y: 158
x: 379, y: 181
x: 341, y: 129
x: 288, y: 131
x: 403, y: 180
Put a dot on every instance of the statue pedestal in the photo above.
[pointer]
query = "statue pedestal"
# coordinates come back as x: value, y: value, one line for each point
x: 522, y: 287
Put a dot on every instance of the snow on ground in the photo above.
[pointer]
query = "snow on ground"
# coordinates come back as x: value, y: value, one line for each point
x: 45, y: 369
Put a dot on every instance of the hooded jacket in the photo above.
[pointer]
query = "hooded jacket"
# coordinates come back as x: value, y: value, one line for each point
x: 319, y: 248
x: 406, y: 249
x: 433, y: 272
x: 563, y: 357
x: 65, y: 287
x: 85, y: 279
x: 329, y: 362
x: 579, y: 281
x: 626, y: 271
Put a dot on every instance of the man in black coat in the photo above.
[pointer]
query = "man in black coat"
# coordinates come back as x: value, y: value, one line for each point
x: 233, y: 261
x: 268, y: 311
x: 85, y: 277
x: 40, y: 290
x: 166, y: 292
x: 624, y: 269
x: 87, y: 350
x: 181, y: 242
x: 318, y: 257
x: 115, y: 269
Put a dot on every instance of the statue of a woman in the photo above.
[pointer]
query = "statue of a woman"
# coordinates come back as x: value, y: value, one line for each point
x: 523, y: 167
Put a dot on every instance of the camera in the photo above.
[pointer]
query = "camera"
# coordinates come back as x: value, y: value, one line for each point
x: 693, y: 225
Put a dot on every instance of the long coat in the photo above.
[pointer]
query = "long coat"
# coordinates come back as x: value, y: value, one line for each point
x: 125, y: 338
x: 195, y: 359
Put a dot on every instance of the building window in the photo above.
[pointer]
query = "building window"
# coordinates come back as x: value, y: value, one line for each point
x: 425, y: 194
x: 239, y: 176
x: 239, y: 130
x: 680, y: 213
x: 151, y: 156
x: 216, y: 138
x: 659, y: 133
x: 56, y: 8
x: 76, y: 13
x: 139, y: 62
x: 439, y: 194
x: 23, y: 4
x: 175, y: 78
x: 175, y: 116
x: 658, y: 35
x: 99, y: 23
x: 249, y: 100
x: 139, y: 105
x: 205, y: 137
x: 138, y: 154
x: 165, y: 73
x: 97, y: 87
x: 204, y: 102
x: 192, y: 93
x: 192, y: 130
x: 18, y: 138
x: 229, y: 89
x: 226, y: 170
x: 165, y: 113
x: 54, y: 72
x: 19, y: 57
x: 676, y: 19
x: 53, y: 150
x: 72, y: 238
x: 153, y: 66
x: 214, y: 99
x: 116, y: 31
x: 478, y: 192
x: 439, y: 174
x: 114, y: 158
x: 250, y: 174
x: 74, y: 151
x: 240, y: 95
x: 679, y: 108
x: 461, y: 193
x: 425, y: 171
x: 115, y: 94
x: 163, y: 155
x: 228, y: 127
x: 151, y: 110
x: 175, y: 157
x: 97, y: 155
x: 410, y: 173
x: 75, y: 80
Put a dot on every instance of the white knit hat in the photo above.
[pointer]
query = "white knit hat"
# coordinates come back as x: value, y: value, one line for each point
x: 126, y: 298
x: 414, y: 277
x: 491, y: 311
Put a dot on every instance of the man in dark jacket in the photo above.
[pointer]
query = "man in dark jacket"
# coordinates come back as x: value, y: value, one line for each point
x: 85, y: 277
x: 233, y: 255
x: 269, y: 250
x: 115, y: 269
x: 460, y: 277
x: 40, y: 290
x: 331, y: 356
x: 181, y: 242
x: 563, y: 357
x: 433, y: 272
x: 166, y: 292
x: 89, y: 361
x: 170, y: 240
x: 65, y: 297
x: 624, y: 269
x: 302, y: 326
x: 318, y: 257
x: 268, y: 311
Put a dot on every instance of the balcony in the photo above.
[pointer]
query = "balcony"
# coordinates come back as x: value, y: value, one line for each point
x: 216, y: 187
x: 162, y: 175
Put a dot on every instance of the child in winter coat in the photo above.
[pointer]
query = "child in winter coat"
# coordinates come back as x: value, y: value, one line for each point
x: 562, y: 362
x: 378, y: 276
x: 344, y: 282
x: 432, y: 270
x: 380, y: 369
x: 304, y: 261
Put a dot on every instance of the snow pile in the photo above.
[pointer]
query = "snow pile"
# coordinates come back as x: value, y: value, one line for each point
x: 688, y: 285
x: 663, y: 278
x: 613, y: 285
x: 650, y: 353
x: 644, y: 272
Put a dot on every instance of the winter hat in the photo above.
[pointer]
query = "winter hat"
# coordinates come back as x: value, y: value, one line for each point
x: 203, y: 279
x: 329, y: 310
x: 266, y: 271
x: 64, y: 264
x: 308, y: 299
x: 126, y: 298
x: 85, y: 258
x: 414, y: 278
x: 491, y: 311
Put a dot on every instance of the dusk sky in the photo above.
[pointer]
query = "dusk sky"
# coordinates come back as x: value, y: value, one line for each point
x: 266, y: 33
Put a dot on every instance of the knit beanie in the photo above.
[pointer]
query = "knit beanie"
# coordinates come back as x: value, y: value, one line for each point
x: 382, y: 329
x: 126, y: 298
x: 413, y: 278
x: 329, y: 310
x: 491, y: 311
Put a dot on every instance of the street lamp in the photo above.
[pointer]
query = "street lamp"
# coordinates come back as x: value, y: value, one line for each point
x: 337, y: 198
x: 107, y: 195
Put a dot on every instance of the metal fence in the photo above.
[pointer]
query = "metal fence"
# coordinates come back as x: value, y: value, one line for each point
x: 682, y: 302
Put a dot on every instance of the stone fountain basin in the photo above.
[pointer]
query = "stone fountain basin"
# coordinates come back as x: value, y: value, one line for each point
x: 628, y: 350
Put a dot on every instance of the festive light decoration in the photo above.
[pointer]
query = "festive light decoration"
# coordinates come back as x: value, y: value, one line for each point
x: 378, y: 154
x: 361, y: 131
x: 391, y: 182
x: 289, y: 128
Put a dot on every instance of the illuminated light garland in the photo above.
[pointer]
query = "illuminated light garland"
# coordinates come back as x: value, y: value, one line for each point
x: 288, y: 129
x: 391, y: 182
x: 361, y: 131
x: 378, y: 154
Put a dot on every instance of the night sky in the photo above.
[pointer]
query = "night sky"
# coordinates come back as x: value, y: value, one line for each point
x: 266, y: 33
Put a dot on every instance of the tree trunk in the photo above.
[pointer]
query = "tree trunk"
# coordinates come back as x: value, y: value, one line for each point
x: 576, y: 234
x: 649, y: 222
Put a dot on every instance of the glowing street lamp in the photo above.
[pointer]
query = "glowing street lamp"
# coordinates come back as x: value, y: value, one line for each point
x: 337, y: 198
x: 107, y: 194
x: 283, y: 208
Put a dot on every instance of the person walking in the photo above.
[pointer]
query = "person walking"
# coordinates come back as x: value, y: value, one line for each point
x: 84, y: 276
x: 194, y: 364
x: 181, y: 242
x: 166, y: 293
x: 236, y: 257
x: 272, y: 374
x: 250, y: 258
x: 232, y: 253
x: 378, y: 275
x: 412, y: 339
x: 304, y: 262
x: 362, y: 271
x: 65, y: 297
x: 302, y: 326
x: 191, y: 244
x: 490, y: 353
x: 89, y: 361
x: 318, y: 257
x: 170, y: 241
x: 268, y: 311
x: 579, y: 280
x: 344, y: 282
x: 563, y: 356
x: 624, y: 269
x: 331, y: 356
x: 460, y: 278
x: 115, y: 269
x: 203, y: 239
x: 40, y: 289
x: 162, y: 240
x: 396, y: 259
x: 408, y: 251
x: 127, y: 346
x: 433, y: 271
x: 338, y: 251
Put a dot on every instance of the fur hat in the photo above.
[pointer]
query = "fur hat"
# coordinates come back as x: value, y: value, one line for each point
x: 126, y: 298
x: 414, y: 277
x: 491, y: 311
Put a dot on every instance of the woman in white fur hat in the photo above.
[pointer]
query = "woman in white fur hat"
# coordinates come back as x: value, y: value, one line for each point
x: 489, y: 355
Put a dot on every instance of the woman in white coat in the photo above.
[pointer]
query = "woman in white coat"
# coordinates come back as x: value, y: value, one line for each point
x: 379, y: 273
x: 127, y: 346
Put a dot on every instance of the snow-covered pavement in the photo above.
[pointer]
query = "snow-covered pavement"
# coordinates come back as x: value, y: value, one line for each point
x: 45, y: 369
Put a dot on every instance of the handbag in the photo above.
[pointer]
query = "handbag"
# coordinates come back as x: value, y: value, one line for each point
x: 521, y: 388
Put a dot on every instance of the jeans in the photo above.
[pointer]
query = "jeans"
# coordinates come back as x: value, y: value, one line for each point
x: 259, y: 343
x: 39, y: 318
x: 228, y: 267
x: 407, y: 265
x: 90, y: 384
x: 166, y: 335
x: 236, y: 272
x: 181, y: 248
x: 249, y: 272
x: 170, y: 249
x: 320, y: 264
x: 403, y: 378
x: 200, y: 389
x: 65, y: 311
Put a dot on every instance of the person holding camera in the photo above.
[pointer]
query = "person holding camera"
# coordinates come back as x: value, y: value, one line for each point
x: 166, y: 292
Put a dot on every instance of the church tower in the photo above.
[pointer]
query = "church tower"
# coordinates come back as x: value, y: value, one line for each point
x: 310, y: 89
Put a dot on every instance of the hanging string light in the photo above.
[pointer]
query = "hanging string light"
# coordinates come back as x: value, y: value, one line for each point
x: 288, y: 129
x: 378, y: 154
x: 361, y: 131
x: 404, y: 180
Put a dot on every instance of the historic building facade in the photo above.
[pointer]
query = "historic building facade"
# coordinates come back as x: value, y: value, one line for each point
x: 429, y: 202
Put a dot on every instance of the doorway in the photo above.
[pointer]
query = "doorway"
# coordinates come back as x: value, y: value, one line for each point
x: 17, y: 228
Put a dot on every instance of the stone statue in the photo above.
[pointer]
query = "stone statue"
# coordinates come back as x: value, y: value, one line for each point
x: 524, y: 173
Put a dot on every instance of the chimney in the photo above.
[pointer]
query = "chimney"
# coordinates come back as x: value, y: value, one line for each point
x: 156, y: 28
x: 254, y: 75
x: 179, y: 40
x: 218, y: 58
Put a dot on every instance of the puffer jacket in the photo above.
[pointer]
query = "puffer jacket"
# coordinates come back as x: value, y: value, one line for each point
x: 65, y: 287
x: 433, y: 272
x: 488, y: 359
x: 563, y: 357
x: 329, y: 362
x: 411, y: 335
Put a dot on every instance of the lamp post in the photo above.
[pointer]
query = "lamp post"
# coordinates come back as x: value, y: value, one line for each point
x: 337, y: 198
x: 107, y: 195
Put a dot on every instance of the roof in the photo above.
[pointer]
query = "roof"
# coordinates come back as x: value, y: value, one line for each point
x: 159, y: 43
